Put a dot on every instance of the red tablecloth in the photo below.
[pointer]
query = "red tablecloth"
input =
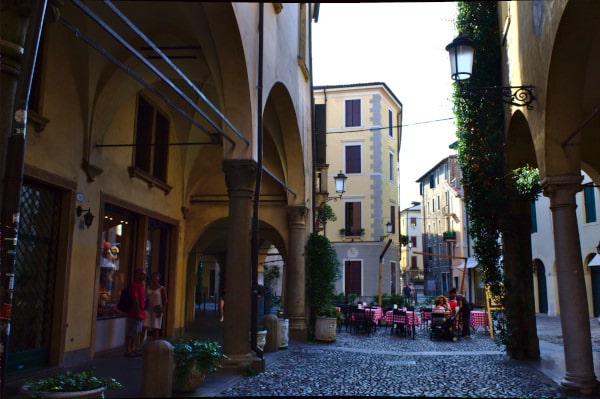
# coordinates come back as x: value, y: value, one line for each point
x: 426, y: 316
x: 411, y: 316
x: 375, y: 314
x: 478, y: 319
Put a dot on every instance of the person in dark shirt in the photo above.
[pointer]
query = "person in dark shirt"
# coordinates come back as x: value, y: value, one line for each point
x: 464, y: 309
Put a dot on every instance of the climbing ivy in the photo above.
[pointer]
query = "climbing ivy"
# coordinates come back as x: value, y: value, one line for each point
x: 480, y: 130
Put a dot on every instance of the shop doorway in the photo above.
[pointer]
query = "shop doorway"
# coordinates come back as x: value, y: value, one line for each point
x: 35, y: 277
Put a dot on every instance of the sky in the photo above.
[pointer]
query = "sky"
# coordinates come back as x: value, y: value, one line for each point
x: 403, y: 45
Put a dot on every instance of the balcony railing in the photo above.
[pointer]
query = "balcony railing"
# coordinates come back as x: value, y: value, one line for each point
x: 449, y: 235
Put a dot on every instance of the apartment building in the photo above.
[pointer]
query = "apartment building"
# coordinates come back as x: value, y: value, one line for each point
x: 358, y: 133
x: 444, y: 230
x: 411, y: 264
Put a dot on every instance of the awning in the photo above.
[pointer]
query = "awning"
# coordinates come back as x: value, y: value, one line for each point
x: 471, y: 263
x: 595, y: 261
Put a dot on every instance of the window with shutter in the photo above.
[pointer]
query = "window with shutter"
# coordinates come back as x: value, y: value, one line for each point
x: 353, y: 113
x: 589, y: 198
x: 353, y: 162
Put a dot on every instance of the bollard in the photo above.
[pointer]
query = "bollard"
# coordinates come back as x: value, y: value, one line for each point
x: 157, y: 374
x: 272, y: 324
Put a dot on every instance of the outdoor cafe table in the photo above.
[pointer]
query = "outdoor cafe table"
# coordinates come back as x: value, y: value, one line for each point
x: 376, y: 314
x: 413, y: 319
x: 478, y: 319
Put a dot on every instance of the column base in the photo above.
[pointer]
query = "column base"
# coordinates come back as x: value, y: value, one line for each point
x: 580, y: 386
x: 245, y: 362
x: 297, y: 329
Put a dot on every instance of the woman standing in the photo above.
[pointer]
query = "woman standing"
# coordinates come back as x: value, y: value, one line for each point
x: 157, y: 302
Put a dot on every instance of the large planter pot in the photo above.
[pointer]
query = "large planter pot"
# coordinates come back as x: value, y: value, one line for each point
x: 284, y: 332
x: 261, y: 338
x: 189, y: 380
x: 325, y: 329
x: 92, y: 393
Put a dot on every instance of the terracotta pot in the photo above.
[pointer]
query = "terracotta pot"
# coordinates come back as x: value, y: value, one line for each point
x: 189, y: 381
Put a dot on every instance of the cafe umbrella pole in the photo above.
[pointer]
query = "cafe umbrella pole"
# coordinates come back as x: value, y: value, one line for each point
x: 381, y: 266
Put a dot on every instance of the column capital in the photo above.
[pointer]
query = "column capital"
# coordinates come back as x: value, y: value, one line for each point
x: 561, y: 188
x: 297, y: 214
x: 240, y: 174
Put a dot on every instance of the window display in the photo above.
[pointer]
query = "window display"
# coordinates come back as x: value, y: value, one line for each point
x: 114, y: 261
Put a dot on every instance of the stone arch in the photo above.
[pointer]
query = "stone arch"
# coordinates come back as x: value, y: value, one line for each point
x: 284, y: 153
x: 205, y: 44
x: 520, y: 150
x: 573, y: 93
x: 210, y: 247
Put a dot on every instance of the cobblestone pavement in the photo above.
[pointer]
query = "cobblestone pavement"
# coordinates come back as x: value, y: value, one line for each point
x: 384, y: 365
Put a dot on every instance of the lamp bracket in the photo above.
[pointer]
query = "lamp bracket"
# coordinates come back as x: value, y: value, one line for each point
x: 520, y: 96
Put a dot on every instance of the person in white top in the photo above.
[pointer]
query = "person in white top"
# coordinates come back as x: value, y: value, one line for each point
x: 157, y: 302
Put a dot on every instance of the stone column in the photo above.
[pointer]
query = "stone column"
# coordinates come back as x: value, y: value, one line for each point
x: 574, y: 319
x: 240, y: 175
x: 295, y: 302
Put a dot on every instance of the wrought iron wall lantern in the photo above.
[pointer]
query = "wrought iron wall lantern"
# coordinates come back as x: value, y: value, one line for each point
x: 88, y: 218
x: 340, y: 185
x: 388, y: 230
x: 461, y: 52
x: 598, y: 247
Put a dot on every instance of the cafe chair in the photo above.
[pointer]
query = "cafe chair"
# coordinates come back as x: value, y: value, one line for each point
x: 425, y: 317
x: 361, y: 321
x: 399, y: 322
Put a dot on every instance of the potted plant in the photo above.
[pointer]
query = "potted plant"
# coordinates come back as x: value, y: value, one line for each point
x: 194, y: 359
x: 323, y: 269
x: 82, y: 384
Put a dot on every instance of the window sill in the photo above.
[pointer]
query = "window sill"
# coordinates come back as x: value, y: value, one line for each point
x: 151, y: 180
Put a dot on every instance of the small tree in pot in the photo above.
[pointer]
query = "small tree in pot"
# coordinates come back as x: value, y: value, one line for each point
x: 323, y: 270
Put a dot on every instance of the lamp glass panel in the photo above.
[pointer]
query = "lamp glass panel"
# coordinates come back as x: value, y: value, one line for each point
x: 461, y: 61
x: 340, y: 183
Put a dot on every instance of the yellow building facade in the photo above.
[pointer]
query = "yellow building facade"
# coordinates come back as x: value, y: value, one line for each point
x: 361, y: 124
x: 150, y: 124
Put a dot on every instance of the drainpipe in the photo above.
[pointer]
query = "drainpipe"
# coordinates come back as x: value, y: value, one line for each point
x: 15, y: 158
x: 259, y: 169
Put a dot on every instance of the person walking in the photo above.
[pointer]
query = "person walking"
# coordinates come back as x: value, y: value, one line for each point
x: 136, y: 314
x: 157, y: 303
x: 407, y: 293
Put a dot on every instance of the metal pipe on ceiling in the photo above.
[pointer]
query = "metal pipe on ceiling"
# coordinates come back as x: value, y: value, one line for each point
x: 175, y: 68
x: 139, y: 79
x: 149, y: 65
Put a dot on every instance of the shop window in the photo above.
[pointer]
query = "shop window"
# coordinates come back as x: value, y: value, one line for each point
x: 116, y: 260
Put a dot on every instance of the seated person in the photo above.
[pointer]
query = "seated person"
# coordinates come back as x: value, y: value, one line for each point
x: 441, y: 306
